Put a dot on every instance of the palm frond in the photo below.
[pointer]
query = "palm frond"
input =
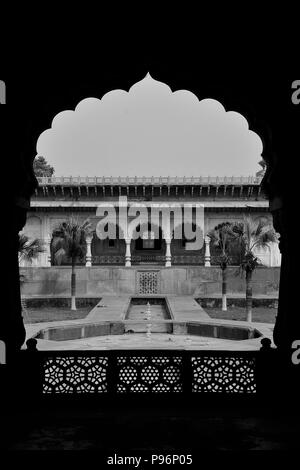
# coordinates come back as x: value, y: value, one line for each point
x: 70, y: 241
x: 253, y: 234
x: 221, y: 236
x: 59, y: 254
x: 266, y: 236
x: 29, y: 249
x: 214, y: 237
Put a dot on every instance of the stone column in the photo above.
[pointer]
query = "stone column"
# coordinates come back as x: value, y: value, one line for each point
x: 88, y: 256
x: 168, y: 252
x: 207, y: 252
x: 128, y: 252
x: 275, y: 254
x: 287, y: 323
x: 48, y: 250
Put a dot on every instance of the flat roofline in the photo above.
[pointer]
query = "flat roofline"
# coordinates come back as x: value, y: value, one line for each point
x: 147, y: 180
x: 205, y: 204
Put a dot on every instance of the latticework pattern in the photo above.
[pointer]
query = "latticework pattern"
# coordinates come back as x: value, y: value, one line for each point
x: 149, y: 372
x: 157, y: 374
x: 223, y: 374
x: 148, y: 282
x: 75, y: 375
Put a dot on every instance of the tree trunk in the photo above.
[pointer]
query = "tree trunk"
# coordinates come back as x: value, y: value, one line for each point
x: 73, y: 287
x: 249, y: 295
x: 24, y: 312
x: 224, y: 290
x: 23, y: 304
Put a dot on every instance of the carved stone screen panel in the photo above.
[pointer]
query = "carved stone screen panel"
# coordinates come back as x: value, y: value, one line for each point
x: 158, y: 374
x: 148, y: 282
x: 149, y: 372
x: 223, y: 374
x: 75, y: 374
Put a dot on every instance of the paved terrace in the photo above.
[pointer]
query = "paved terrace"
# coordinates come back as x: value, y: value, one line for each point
x: 184, y: 309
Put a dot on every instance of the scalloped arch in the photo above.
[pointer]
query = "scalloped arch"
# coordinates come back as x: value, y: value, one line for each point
x: 151, y: 130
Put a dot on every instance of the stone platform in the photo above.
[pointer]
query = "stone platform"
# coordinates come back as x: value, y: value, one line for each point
x: 112, y: 309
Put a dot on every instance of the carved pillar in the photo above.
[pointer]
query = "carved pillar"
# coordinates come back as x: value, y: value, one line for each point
x: 168, y: 252
x: 275, y: 255
x: 286, y: 334
x: 287, y: 325
x: 128, y: 252
x: 88, y: 256
x: 207, y: 252
x: 17, y: 203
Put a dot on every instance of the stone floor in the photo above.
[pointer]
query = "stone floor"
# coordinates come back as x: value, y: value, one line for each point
x: 135, y: 429
x: 183, y: 307
x: 141, y: 341
x: 114, y: 308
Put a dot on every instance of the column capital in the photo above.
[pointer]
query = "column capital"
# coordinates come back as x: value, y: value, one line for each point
x: 89, y: 238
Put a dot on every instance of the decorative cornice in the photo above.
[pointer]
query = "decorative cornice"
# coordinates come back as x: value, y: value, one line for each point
x: 149, y: 181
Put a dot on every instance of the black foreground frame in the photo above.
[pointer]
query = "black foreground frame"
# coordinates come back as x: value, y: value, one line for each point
x: 43, y: 376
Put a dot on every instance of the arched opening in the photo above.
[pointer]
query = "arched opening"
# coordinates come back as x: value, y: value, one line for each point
x: 183, y: 249
x: 148, y: 249
x: 227, y: 103
x: 268, y: 97
x: 110, y: 251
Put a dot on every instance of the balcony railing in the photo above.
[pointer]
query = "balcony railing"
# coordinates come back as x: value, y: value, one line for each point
x: 108, y: 259
x: 148, y: 258
x: 147, y: 372
x: 152, y: 181
x: 188, y: 259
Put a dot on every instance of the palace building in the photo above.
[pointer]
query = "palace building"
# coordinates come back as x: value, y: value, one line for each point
x: 223, y: 199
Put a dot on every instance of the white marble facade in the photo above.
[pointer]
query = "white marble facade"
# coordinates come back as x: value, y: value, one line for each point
x: 40, y: 224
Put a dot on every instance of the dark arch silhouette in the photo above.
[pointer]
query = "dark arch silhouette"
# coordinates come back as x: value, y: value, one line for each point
x: 258, y: 98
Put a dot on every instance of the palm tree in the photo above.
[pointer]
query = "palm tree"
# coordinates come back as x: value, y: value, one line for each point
x: 221, y: 236
x: 70, y: 242
x: 252, y: 235
x: 28, y: 251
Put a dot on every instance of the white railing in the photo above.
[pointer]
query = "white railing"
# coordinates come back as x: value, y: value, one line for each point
x: 145, y: 180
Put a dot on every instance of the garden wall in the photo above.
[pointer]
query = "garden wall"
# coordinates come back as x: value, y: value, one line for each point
x: 97, y: 281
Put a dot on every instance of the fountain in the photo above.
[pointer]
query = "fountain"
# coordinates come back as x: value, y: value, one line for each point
x: 148, y: 311
x: 148, y: 317
x: 142, y: 310
x: 155, y: 324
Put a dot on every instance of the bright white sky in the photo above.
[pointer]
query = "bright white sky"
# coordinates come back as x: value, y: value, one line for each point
x: 150, y: 131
